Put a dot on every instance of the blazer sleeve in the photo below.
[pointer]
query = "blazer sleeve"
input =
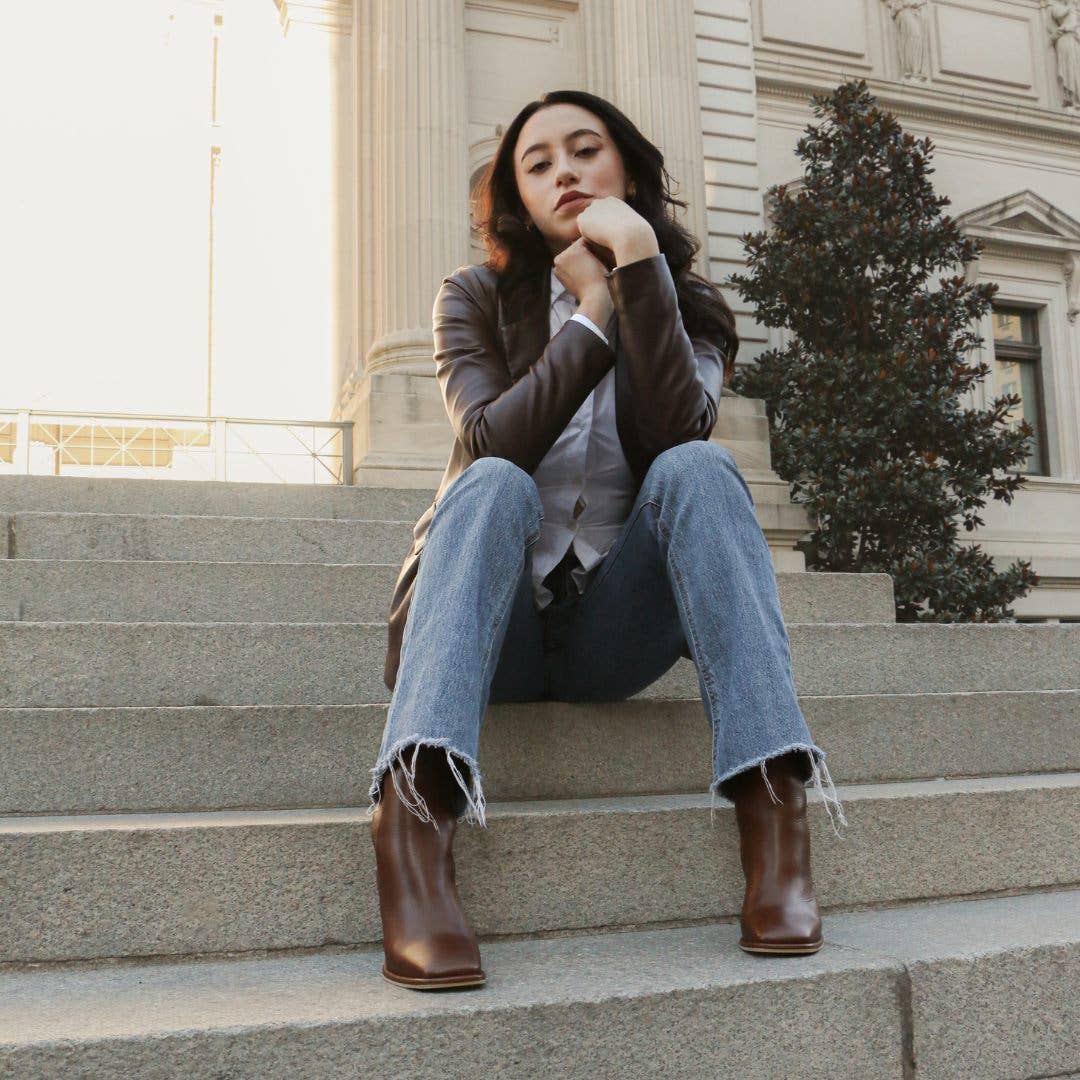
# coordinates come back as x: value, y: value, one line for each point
x: 675, y: 380
x: 493, y: 415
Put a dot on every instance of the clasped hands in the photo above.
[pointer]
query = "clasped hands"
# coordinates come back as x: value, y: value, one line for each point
x: 611, y: 234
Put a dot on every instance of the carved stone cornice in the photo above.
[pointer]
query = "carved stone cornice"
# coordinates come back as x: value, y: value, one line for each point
x: 987, y: 116
x: 329, y: 16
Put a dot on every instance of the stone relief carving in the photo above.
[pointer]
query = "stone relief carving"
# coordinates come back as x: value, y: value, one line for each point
x: 1065, y: 37
x: 1072, y: 285
x: 913, y: 37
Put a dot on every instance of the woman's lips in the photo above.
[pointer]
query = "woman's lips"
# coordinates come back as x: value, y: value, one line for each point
x: 571, y: 203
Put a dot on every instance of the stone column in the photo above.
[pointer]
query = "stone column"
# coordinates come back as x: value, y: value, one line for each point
x: 598, y: 34
x: 656, y: 85
x: 412, y: 223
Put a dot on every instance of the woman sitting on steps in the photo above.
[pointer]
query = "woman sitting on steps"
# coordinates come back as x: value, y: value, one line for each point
x: 586, y: 533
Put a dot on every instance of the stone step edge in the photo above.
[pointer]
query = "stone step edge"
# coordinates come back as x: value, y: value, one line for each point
x: 46, y: 1006
x: 763, y: 482
x: 891, y: 789
x: 507, y: 705
x: 265, y: 627
x: 12, y: 515
x: 72, y: 727
x: 824, y: 597
x: 876, y: 578
x: 243, y: 562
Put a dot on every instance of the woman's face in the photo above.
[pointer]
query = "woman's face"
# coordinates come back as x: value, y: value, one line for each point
x: 564, y: 148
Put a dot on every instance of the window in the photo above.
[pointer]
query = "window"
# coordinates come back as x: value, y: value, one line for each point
x: 1018, y: 370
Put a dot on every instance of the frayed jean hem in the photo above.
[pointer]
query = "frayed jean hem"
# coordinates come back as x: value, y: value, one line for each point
x: 475, y: 807
x: 819, y: 772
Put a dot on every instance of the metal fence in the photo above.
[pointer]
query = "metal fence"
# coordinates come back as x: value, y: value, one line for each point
x: 175, y: 447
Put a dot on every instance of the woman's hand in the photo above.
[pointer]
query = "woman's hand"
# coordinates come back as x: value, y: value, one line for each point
x: 579, y: 269
x: 585, y: 276
x: 615, y: 225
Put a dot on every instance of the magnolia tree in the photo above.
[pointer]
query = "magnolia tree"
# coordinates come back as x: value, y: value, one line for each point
x: 865, y: 401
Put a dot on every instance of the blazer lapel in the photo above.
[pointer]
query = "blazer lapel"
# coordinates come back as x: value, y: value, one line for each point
x: 525, y: 326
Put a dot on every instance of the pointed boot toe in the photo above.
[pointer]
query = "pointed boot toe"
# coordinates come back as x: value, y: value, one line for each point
x: 781, y: 928
x: 438, y: 961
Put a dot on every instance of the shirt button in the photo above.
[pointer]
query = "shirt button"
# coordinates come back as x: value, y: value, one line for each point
x: 579, y: 506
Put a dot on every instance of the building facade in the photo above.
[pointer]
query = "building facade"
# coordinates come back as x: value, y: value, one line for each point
x: 271, y: 244
x: 723, y: 87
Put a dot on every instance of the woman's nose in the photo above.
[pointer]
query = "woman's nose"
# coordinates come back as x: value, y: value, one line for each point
x: 566, y: 168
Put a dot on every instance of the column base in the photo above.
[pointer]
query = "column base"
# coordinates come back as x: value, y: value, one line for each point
x: 401, y: 435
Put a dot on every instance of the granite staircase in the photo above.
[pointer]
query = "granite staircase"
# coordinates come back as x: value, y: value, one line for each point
x: 191, y: 700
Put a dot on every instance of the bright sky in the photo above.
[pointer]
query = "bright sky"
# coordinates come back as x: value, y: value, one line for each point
x: 105, y: 211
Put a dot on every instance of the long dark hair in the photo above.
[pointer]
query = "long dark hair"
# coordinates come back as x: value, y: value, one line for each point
x: 521, y: 256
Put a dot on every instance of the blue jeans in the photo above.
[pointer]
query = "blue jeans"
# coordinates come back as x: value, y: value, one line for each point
x: 690, y: 565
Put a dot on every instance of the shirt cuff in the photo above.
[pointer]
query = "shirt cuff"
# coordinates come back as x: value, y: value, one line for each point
x: 591, y: 325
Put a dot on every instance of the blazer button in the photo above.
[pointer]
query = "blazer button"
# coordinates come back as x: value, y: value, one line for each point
x: 579, y: 506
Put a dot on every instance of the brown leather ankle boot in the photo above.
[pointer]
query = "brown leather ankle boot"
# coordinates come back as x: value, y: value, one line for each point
x: 780, y: 912
x: 427, y: 941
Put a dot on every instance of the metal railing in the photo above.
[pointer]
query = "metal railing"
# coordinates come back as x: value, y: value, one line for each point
x: 175, y: 447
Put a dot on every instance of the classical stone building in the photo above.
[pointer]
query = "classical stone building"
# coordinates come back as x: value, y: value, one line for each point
x: 305, y: 168
x: 723, y: 86
x: 231, y: 206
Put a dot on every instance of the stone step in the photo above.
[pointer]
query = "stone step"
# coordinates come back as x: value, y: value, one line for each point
x: 889, y: 988
x: 115, y: 760
x: 977, y: 988
x: 100, y: 663
x: 193, y: 538
x: 736, y: 405
x: 111, y: 495
x: 130, y: 885
x: 174, y: 538
x: 125, y: 590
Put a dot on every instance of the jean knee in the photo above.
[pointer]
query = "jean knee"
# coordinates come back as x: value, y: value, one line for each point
x: 503, y: 483
x: 691, y: 462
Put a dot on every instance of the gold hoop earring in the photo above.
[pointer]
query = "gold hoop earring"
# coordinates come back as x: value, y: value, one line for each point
x: 631, y: 190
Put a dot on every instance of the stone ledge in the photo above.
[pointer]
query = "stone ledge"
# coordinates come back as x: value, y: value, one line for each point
x: 982, y: 987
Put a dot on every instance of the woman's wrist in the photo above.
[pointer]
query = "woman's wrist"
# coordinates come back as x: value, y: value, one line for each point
x: 596, y: 304
x: 639, y: 245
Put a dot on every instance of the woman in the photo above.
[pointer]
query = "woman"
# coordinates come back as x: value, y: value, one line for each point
x: 586, y: 533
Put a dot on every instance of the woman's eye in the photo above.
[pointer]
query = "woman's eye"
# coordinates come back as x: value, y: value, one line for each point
x: 590, y: 150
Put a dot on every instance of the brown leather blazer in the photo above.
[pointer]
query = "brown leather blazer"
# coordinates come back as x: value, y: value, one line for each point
x: 510, y: 388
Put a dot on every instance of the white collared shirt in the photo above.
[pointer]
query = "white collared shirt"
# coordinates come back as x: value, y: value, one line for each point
x: 585, y: 473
